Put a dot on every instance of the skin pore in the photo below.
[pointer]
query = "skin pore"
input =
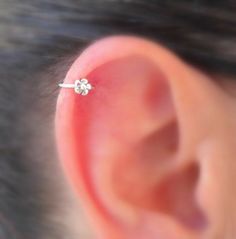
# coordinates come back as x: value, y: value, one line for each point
x: 149, y: 163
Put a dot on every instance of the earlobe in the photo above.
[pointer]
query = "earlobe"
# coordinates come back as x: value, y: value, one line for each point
x: 129, y: 147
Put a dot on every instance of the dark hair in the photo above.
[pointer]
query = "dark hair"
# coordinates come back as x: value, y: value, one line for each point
x: 38, y: 34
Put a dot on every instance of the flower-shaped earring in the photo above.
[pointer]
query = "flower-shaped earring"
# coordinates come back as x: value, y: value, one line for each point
x: 81, y: 86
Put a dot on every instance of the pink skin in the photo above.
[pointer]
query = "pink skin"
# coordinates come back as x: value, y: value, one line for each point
x: 151, y: 149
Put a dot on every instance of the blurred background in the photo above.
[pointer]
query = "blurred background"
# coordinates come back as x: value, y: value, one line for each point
x: 35, y: 201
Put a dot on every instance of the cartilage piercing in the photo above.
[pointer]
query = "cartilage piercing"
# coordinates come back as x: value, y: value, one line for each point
x: 81, y: 86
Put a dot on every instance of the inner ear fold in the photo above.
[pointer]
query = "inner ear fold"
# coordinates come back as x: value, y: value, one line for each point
x: 176, y: 196
x: 149, y: 179
x: 136, y: 177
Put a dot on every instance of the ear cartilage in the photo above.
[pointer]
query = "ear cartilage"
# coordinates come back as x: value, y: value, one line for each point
x: 81, y: 86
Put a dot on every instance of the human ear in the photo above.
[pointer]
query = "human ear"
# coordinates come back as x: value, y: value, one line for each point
x: 138, y: 147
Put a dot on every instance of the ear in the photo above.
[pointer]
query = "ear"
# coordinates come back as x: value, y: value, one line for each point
x: 136, y: 148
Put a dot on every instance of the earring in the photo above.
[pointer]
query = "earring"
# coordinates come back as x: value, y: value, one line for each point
x: 81, y: 86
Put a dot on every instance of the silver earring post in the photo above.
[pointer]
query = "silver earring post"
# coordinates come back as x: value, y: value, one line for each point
x: 81, y: 86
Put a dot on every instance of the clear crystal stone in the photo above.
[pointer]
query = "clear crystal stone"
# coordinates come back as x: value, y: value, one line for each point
x: 82, y: 87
